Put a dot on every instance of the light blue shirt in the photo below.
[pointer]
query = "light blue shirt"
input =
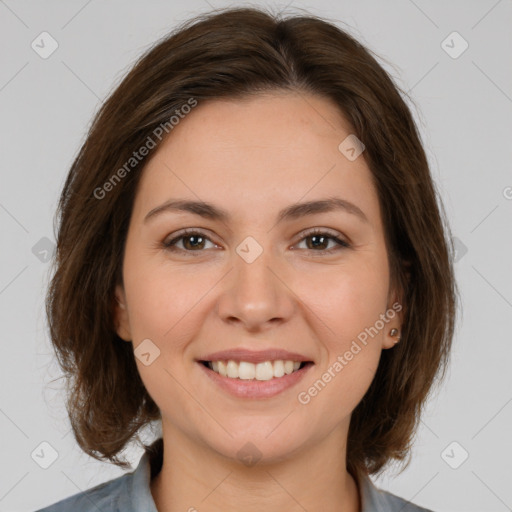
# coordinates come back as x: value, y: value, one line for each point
x: 131, y: 493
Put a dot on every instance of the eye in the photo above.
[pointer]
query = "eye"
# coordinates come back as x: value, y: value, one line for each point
x: 194, y: 241
x: 320, y: 239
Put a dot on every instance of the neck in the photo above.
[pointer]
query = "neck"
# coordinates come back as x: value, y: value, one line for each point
x: 196, y: 478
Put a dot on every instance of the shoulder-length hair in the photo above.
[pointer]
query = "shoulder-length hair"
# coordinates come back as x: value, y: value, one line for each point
x: 232, y: 54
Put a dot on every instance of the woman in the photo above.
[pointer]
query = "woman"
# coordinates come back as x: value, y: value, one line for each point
x: 251, y: 251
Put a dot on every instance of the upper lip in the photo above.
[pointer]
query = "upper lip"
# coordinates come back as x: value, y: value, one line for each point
x: 251, y: 356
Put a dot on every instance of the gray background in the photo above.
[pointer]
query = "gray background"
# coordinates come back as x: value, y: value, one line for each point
x: 464, y: 106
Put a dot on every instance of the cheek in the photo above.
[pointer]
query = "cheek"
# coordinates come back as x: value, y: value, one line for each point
x: 347, y: 305
x: 164, y: 308
x: 347, y: 300
x: 161, y: 298
x: 343, y: 384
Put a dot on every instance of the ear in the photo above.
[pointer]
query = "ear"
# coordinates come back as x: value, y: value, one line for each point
x: 395, y: 312
x: 121, y: 318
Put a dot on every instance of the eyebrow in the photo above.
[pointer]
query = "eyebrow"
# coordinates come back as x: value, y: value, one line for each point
x: 294, y: 211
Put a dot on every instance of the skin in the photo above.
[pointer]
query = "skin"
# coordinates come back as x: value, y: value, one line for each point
x: 254, y: 157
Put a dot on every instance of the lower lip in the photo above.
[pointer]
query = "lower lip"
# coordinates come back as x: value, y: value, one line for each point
x: 256, y: 388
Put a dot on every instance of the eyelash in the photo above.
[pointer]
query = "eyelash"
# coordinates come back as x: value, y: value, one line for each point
x: 342, y: 244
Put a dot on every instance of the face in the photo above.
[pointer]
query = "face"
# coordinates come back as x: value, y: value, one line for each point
x: 314, y: 282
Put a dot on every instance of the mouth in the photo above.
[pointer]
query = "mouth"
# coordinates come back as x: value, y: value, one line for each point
x: 245, y: 370
x: 243, y: 379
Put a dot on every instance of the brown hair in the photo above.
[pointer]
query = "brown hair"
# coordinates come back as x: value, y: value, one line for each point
x: 235, y: 53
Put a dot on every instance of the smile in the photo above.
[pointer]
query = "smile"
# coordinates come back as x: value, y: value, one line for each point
x: 249, y: 380
x: 246, y: 370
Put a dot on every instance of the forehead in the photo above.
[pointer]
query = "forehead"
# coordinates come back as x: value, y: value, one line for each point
x: 260, y: 152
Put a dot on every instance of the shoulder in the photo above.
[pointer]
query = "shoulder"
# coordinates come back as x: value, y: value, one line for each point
x: 378, y: 500
x: 101, y: 497
x: 104, y: 497
x: 130, y: 492
x: 392, y: 502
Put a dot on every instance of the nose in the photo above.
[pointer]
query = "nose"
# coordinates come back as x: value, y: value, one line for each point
x: 256, y: 294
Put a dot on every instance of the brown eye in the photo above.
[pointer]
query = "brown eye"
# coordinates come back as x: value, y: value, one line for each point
x: 192, y: 241
x: 318, y: 241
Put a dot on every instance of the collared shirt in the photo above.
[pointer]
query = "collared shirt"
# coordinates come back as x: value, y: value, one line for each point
x: 131, y: 492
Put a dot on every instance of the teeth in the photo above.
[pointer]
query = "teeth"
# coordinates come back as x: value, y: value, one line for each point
x: 250, y: 371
